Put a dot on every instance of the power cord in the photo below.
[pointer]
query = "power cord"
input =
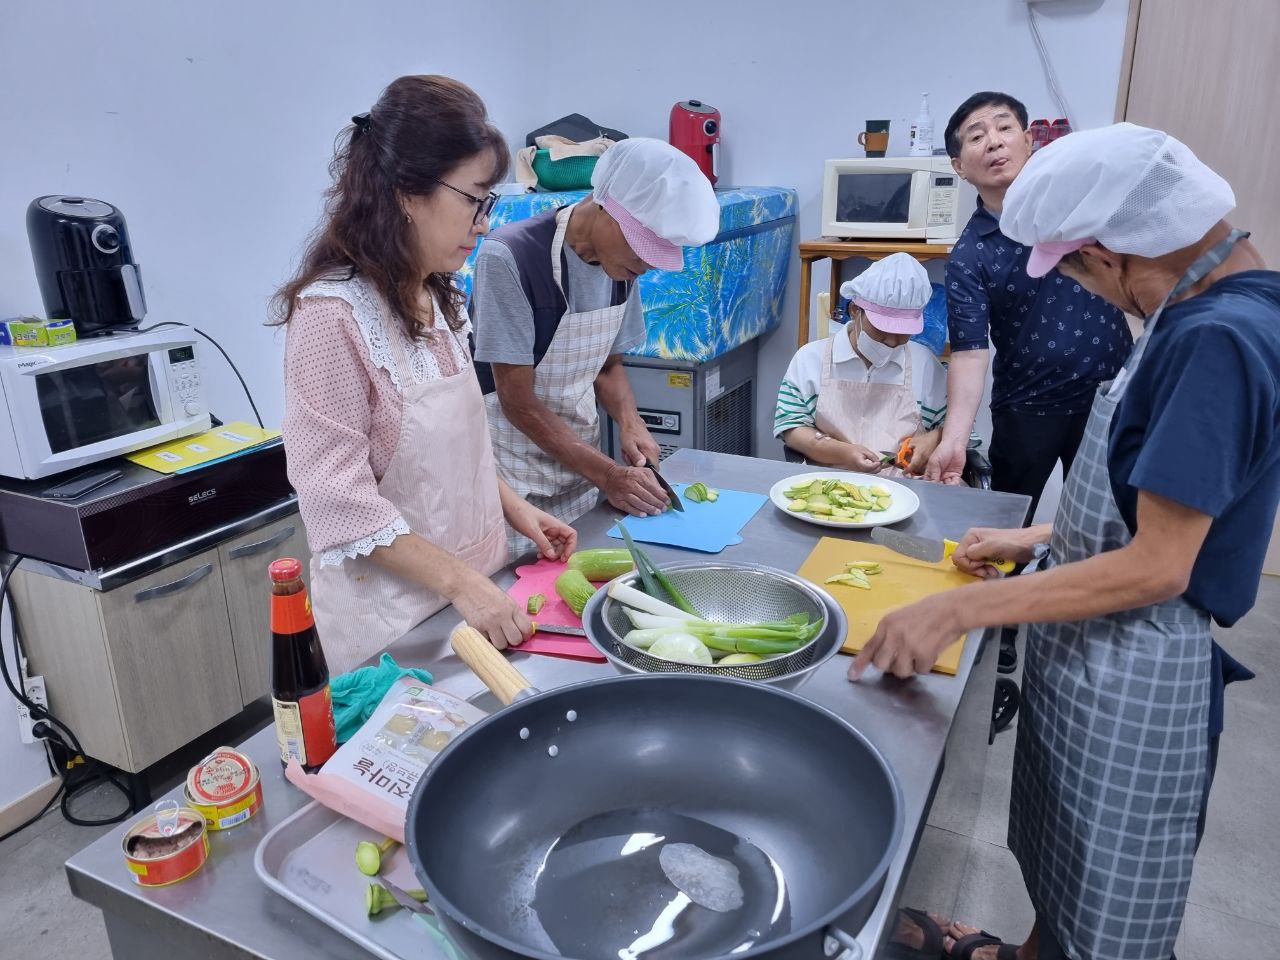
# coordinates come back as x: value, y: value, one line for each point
x: 77, y: 772
x: 234, y: 369
x: 1050, y: 74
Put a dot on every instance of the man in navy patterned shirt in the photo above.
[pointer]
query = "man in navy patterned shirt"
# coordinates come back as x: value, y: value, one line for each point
x: 1054, y: 340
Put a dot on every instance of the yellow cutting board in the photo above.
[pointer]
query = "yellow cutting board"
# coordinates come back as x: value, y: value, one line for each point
x: 902, y: 581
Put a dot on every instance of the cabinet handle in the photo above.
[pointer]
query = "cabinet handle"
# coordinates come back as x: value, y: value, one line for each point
x: 195, y: 576
x: 262, y: 546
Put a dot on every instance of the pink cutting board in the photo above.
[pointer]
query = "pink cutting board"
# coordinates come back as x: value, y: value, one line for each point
x: 540, y: 577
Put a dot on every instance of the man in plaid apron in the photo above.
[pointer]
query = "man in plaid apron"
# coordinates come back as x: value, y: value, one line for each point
x: 556, y: 305
x: 1161, y: 531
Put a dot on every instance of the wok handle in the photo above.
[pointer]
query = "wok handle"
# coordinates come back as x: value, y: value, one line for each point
x: 489, y: 665
x: 836, y: 941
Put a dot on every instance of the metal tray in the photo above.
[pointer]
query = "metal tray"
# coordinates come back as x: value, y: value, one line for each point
x: 309, y: 859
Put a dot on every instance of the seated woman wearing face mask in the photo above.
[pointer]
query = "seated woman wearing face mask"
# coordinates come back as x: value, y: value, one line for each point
x: 847, y: 400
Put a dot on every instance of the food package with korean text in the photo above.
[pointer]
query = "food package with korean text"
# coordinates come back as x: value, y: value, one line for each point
x: 372, y: 776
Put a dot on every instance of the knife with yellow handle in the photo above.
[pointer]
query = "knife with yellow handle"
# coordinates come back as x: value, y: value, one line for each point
x: 926, y: 549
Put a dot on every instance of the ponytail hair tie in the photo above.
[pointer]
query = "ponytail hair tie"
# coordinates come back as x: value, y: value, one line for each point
x: 362, y: 122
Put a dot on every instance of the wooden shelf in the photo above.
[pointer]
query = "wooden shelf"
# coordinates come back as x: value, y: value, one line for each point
x: 837, y: 250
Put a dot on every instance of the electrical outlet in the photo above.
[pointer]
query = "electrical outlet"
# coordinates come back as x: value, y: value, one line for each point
x: 35, y: 693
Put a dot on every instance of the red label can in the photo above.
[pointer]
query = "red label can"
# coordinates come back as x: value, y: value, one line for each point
x: 156, y: 860
x: 225, y: 788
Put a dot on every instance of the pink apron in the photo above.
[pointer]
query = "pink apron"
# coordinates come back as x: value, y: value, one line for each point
x: 876, y: 415
x: 443, y: 480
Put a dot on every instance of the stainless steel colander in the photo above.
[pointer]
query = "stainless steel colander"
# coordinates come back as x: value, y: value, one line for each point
x: 727, y: 593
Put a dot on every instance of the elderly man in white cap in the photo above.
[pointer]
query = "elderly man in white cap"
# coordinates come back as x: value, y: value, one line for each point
x: 851, y: 400
x: 556, y: 305
x: 1161, y: 531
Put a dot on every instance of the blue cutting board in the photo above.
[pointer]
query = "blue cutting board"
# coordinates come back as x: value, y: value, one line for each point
x: 709, y: 527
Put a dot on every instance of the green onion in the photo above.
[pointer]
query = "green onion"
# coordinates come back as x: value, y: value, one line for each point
x: 647, y: 579
x: 655, y: 580
x: 746, y: 645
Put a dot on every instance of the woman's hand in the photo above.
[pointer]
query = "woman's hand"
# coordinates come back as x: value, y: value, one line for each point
x: 554, y: 538
x: 484, y: 606
x: 982, y: 546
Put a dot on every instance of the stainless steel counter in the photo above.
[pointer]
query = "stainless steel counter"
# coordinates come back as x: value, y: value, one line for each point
x: 224, y: 911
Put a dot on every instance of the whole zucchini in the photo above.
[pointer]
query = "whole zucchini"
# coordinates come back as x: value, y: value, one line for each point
x: 602, y: 563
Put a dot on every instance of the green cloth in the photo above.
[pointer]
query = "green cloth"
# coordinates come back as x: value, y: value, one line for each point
x: 357, y: 694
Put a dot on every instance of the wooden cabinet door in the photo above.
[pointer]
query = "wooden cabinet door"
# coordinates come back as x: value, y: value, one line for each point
x: 169, y: 643
x: 62, y: 634
x: 244, y: 576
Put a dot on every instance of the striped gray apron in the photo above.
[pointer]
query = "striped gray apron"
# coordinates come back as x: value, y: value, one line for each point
x: 1109, y: 769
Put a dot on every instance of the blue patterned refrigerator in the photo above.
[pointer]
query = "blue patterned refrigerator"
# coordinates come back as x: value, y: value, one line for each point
x: 695, y: 376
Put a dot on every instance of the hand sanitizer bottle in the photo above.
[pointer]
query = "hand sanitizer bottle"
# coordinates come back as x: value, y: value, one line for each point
x: 922, y: 130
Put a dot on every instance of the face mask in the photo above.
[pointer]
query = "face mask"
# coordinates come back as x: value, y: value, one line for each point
x: 877, y: 353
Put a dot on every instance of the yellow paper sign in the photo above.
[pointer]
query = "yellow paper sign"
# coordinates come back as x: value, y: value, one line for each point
x: 203, y: 448
x: 682, y: 380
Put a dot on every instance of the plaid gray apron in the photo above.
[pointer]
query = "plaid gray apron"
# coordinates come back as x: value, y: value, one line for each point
x: 1109, y: 768
x: 565, y: 382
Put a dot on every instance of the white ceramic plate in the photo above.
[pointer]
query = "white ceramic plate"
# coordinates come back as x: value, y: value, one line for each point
x: 905, y: 502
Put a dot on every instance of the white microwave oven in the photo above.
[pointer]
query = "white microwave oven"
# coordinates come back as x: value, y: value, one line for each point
x: 895, y: 198
x: 67, y: 406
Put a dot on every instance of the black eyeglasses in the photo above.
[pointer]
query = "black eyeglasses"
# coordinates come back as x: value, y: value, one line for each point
x: 484, y: 205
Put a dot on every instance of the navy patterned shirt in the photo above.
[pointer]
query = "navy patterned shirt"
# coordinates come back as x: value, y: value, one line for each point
x: 1054, y: 341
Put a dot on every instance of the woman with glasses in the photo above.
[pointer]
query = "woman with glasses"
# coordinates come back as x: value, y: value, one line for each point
x: 384, y: 424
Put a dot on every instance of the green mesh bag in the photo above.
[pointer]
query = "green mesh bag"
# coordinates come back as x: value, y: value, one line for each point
x: 571, y: 173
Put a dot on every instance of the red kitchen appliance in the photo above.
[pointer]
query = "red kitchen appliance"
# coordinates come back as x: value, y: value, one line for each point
x: 695, y: 130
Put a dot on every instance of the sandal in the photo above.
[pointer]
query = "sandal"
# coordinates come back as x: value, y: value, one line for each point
x: 931, y: 949
x: 964, y: 947
x: 1007, y: 700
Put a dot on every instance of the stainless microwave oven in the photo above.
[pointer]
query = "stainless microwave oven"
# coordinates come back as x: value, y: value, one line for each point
x: 67, y: 406
x: 895, y: 198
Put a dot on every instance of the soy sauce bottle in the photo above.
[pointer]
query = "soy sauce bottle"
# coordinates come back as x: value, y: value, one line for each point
x: 300, y: 694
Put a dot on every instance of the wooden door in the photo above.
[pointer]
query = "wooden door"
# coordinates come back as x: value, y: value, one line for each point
x: 1209, y: 73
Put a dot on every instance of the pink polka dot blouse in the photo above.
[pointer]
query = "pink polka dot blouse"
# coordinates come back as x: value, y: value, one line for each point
x: 342, y: 421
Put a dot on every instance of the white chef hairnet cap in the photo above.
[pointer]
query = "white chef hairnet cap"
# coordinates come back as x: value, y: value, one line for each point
x: 1130, y: 188
x: 892, y: 293
x: 659, y: 197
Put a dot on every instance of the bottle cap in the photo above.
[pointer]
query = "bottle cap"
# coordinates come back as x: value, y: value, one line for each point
x: 286, y: 568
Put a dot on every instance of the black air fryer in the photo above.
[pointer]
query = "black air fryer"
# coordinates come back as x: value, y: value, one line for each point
x: 84, y: 264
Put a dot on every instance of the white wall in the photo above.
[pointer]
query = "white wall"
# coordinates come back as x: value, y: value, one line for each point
x: 211, y: 125
x: 24, y: 765
x: 795, y: 83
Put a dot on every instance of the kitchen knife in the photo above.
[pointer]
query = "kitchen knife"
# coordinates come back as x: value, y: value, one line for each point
x: 406, y: 901
x: 666, y: 487
x: 558, y: 628
x: 924, y: 548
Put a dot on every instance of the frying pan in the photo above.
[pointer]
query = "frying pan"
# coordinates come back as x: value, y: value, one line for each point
x: 602, y: 819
